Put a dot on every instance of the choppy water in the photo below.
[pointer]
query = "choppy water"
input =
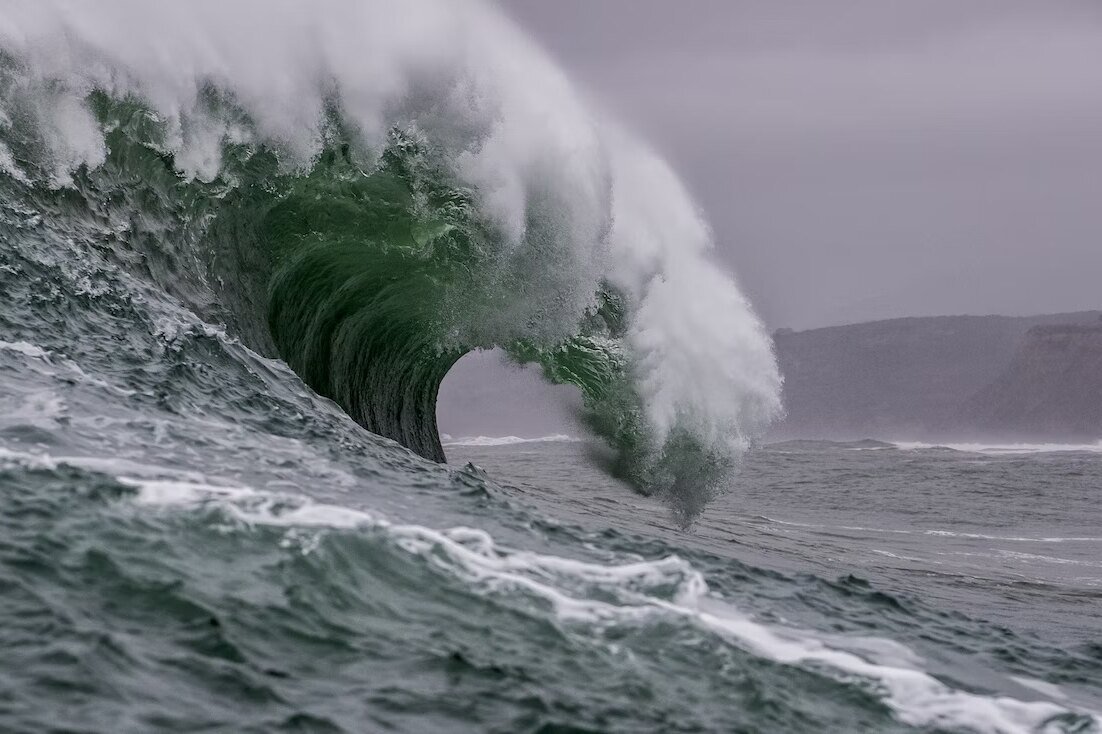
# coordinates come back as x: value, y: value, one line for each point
x: 195, y: 195
x: 252, y: 560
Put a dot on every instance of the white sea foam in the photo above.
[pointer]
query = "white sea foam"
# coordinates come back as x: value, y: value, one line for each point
x: 917, y: 698
x: 128, y: 471
x: 25, y: 348
x: 38, y: 407
x: 247, y: 505
x: 1037, y: 558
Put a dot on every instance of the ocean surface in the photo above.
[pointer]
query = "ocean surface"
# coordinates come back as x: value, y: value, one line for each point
x: 241, y: 246
x: 289, y: 571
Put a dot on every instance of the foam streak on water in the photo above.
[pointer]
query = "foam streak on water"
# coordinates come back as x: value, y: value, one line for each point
x: 638, y: 592
x: 584, y: 595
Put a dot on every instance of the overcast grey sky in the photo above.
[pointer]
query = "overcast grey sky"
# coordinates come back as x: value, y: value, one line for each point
x: 865, y: 159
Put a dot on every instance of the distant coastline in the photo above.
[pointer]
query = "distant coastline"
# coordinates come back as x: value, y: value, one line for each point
x: 945, y: 378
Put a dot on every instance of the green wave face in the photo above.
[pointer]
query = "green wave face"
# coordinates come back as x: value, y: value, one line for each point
x: 376, y: 283
x: 364, y: 266
x: 370, y: 278
x: 380, y: 283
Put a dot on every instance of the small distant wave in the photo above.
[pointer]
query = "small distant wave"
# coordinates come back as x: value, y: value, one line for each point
x: 806, y: 444
x: 507, y: 440
x: 1009, y: 448
x: 935, y: 532
x: 1038, y: 558
x: 1013, y: 538
x: 869, y: 444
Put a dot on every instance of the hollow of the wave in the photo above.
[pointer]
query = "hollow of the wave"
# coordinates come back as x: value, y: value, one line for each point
x: 372, y: 279
x: 355, y: 298
x: 486, y: 394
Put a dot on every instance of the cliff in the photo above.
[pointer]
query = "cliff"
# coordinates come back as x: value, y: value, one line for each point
x: 1052, y: 387
x: 933, y: 377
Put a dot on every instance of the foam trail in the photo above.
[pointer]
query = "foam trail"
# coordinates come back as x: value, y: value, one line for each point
x: 598, y: 595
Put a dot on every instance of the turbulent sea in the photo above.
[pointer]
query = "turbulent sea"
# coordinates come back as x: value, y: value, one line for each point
x: 242, y: 244
x: 308, y: 578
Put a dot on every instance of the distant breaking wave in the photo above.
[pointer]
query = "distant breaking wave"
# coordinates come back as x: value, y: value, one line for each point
x: 970, y: 448
x: 371, y: 189
x: 507, y: 440
x: 1009, y: 448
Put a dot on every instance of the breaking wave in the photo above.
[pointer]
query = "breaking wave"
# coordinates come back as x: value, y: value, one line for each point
x: 370, y: 200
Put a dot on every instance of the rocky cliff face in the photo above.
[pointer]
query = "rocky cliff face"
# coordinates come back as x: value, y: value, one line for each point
x: 923, y: 377
x: 1052, y: 387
